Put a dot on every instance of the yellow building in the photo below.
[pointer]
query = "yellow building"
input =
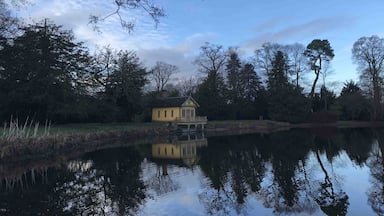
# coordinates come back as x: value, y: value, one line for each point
x: 178, y: 110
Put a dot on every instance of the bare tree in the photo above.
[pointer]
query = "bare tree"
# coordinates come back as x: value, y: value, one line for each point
x: 293, y: 52
x: 103, y: 65
x: 298, y: 61
x: 188, y: 86
x: 161, y: 73
x: 264, y: 56
x: 368, y: 54
x: 212, y: 59
x: 327, y: 70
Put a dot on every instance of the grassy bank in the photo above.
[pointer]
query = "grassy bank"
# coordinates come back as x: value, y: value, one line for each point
x: 245, y: 126
x: 61, y: 138
x: 72, y: 136
x: 101, y: 127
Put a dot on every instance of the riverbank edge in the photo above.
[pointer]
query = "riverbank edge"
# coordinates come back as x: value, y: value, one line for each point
x: 28, y: 148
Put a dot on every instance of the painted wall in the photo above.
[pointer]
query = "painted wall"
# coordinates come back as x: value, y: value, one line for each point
x: 166, y: 114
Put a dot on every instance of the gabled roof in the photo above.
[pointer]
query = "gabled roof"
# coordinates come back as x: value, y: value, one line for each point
x: 171, y: 102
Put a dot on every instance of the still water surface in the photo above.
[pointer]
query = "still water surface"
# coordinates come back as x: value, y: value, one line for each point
x: 297, y: 172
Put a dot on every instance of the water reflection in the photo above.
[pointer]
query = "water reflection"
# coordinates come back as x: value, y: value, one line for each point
x: 376, y: 165
x: 308, y: 172
x: 101, y: 183
x: 181, y: 150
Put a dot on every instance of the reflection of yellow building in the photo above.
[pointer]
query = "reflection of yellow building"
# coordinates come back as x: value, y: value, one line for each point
x: 184, y: 150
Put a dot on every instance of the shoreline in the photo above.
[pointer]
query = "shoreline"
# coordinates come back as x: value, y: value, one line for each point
x: 56, y: 144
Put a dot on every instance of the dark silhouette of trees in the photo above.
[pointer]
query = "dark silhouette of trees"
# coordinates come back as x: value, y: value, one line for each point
x: 125, y: 88
x: 233, y: 69
x: 211, y: 93
x: 323, y: 100
x: 353, y: 104
x: 319, y: 53
x: 43, y: 72
x: 244, y: 88
x: 286, y: 102
x: 47, y: 75
x: 368, y: 54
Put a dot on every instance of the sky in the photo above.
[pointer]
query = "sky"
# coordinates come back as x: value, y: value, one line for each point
x: 245, y: 24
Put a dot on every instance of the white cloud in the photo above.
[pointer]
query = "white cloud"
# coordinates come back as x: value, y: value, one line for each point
x: 151, y: 44
x: 295, y: 33
x: 74, y: 14
x: 193, y: 42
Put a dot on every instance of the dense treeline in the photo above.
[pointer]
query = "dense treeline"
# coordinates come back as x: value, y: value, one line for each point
x: 270, y: 85
x: 46, y: 74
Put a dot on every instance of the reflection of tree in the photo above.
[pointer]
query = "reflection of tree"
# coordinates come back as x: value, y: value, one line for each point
x: 277, y: 169
x: 376, y: 165
x: 121, y: 173
x: 357, y: 144
x: 31, y: 194
x: 234, y: 172
x: 216, y: 201
x: 83, y: 193
x: 288, y: 191
x: 102, y: 183
x: 330, y: 202
x: 285, y: 178
x: 161, y: 182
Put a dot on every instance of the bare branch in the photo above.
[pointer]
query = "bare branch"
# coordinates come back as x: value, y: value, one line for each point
x: 148, y: 6
x: 161, y: 73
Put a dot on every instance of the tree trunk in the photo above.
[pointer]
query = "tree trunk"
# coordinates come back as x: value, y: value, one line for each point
x: 297, y: 79
x: 376, y: 97
x: 314, y: 84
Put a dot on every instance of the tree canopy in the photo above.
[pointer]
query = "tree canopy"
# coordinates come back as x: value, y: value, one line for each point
x: 368, y: 54
x: 46, y: 74
x: 319, y: 52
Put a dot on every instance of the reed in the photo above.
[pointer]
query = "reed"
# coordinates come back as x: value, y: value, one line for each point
x: 15, y: 130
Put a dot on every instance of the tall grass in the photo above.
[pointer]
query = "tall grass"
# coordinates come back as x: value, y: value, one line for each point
x: 15, y: 130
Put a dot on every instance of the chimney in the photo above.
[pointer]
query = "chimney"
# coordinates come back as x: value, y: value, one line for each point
x: 164, y: 93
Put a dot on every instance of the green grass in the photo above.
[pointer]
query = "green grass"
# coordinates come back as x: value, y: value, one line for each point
x: 98, y: 127
x: 81, y: 128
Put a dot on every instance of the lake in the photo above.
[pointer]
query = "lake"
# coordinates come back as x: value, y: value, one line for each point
x: 323, y: 171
